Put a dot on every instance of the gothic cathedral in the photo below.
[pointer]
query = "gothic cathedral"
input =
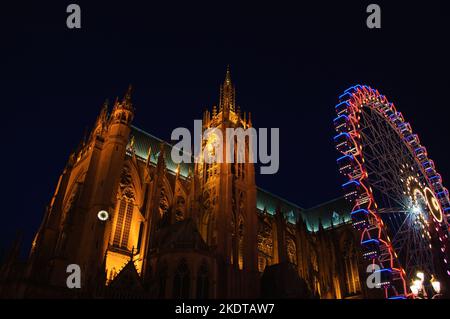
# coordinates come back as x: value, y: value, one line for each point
x: 140, y: 226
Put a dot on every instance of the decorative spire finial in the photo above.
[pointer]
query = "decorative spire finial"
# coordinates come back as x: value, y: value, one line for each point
x: 132, y: 143
x: 227, y: 93
x: 161, y: 157
x: 105, y: 105
x: 127, y: 96
x: 228, y: 75
x: 320, y: 225
x: 149, y: 155
x: 102, y: 117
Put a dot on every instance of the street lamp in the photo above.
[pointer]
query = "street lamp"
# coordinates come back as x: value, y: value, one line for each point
x: 436, y: 285
x: 418, y: 287
x: 414, y: 290
x: 421, y: 276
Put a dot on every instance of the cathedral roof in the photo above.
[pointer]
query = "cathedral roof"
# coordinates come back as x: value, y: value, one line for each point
x: 143, y: 141
x: 127, y: 279
x: 268, y: 202
x: 336, y: 211
x: 182, y: 234
x: 332, y: 213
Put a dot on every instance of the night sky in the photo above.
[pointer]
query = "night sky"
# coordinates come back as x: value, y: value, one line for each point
x: 289, y: 64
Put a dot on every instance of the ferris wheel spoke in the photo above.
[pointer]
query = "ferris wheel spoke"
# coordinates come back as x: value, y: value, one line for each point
x: 384, y: 159
x: 390, y: 192
x: 393, y: 210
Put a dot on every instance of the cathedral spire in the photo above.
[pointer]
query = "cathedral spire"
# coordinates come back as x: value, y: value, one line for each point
x: 321, y: 228
x: 228, y: 75
x: 227, y: 94
x: 161, y: 162
x: 149, y: 155
x: 123, y: 111
x: 126, y: 102
x: 131, y: 147
x: 127, y: 98
x: 177, y: 171
x: 104, y: 112
x: 101, y: 122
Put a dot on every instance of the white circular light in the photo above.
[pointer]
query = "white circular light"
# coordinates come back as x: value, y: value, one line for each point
x: 103, y: 215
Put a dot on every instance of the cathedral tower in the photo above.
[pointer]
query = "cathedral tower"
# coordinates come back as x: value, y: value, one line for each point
x: 71, y: 232
x: 229, y: 194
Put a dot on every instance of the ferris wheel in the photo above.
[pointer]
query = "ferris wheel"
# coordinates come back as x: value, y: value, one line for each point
x: 399, y: 203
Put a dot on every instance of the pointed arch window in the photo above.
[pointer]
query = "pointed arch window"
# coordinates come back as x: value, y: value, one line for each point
x: 203, y: 281
x: 262, y: 263
x: 352, y: 282
x: 123, y: 223
x: 241, y: 243
x: 181, y: 281
x: 162, y: 280
x: 292, y: 251
x: 352, y: 275
x: 180, y: 208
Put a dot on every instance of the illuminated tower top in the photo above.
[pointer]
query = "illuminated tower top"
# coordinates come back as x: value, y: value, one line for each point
x: 123, y: 111
x: 229, y: 114
x: 227, y: 94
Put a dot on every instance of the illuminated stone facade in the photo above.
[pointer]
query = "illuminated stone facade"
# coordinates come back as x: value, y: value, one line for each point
x: 190, y: 231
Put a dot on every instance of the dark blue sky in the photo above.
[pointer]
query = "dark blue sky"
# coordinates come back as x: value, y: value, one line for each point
x: 289, y: 64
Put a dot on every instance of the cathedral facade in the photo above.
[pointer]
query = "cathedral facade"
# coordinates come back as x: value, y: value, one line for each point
x: 180, y: 231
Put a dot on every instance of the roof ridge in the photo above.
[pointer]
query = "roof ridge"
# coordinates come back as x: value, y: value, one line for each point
x: 279, y: 197
x: 325, y: 203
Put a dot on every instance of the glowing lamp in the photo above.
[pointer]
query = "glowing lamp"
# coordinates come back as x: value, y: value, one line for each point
x: 103, y: 215
x: 421, y: 276
x: 436, y: 285
x: 414, y: 290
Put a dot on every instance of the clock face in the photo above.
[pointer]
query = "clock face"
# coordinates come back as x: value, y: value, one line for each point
x: 211, y: 144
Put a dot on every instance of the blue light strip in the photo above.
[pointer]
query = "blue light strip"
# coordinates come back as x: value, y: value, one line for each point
x: 370, y: 240
x: 343, y: 157
x: 359, y: 210
x: 384, y: 269
x: 344, y: 102
x: 351, y: 182
x: 337, y: 118
x: 337, y: 136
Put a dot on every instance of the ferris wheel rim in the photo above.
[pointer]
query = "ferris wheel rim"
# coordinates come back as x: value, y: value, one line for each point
x: 352, y: 101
